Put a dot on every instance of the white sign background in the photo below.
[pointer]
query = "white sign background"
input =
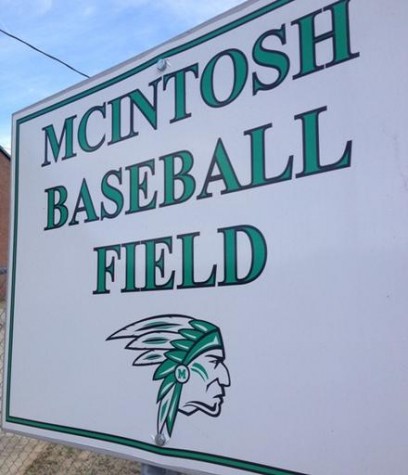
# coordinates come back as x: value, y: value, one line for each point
x: 316, y: 346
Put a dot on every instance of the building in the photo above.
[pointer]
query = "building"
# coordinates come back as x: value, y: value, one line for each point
x: 4, y: 217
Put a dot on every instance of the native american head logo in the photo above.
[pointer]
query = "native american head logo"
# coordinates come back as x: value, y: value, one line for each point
x: 190, y: 359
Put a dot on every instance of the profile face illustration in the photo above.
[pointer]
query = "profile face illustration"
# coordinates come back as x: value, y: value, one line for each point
x: 190, y: 359
x: 208, y: 378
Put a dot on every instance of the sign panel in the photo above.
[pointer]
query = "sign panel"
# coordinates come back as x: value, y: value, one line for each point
x: 209, y: 249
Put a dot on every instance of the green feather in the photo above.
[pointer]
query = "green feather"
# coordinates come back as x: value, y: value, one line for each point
x: 202, y: 326
x: 184, y: 345
x: 149, y: 357
x: 158, y: 326
x: 163, y: 409
x: 168, y: 409
x: 174, y: 405
x: 166, y: 385
x: 164, y: 369
x: 176, y: 355
x: 156, y: 341
x: 191, y: 334
x: 211, y: 340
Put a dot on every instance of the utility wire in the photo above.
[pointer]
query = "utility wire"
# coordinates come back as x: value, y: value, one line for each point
x: 43, y: 52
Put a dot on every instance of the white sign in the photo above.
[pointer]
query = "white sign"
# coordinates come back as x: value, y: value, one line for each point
x: 210, y: 249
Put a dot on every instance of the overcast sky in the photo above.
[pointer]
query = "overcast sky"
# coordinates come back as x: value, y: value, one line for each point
x: 90, y: 35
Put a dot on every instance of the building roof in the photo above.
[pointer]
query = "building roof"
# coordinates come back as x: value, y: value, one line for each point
x: 4, y: 152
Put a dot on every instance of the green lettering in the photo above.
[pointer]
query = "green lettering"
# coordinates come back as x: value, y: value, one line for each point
x: 183, y: 177
x: 103, y: 268
x: 67, y: 134
x: 59, y: 206
x: 258, y: 174
x: 130, y: 284
x: 147, y: 108
x: 136, y: 99
x: 180, y: 108
x: 227, y: 173
x: 188, y: 281
x: 138, y: 187
x: 84, y: 204
x: 271, y: 59
x: 311, y: 147
x: 156, y: 262
x: 112, y: 193
x: 258, y: 254
x: 240, y: 74
x: 82, y: 129
x: 339, y: 35
x: 116, y: 124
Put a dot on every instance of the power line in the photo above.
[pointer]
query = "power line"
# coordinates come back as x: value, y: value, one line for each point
x: 43, y: 52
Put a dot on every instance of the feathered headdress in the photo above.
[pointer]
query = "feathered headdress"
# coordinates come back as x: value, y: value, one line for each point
x: 172, y: 342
